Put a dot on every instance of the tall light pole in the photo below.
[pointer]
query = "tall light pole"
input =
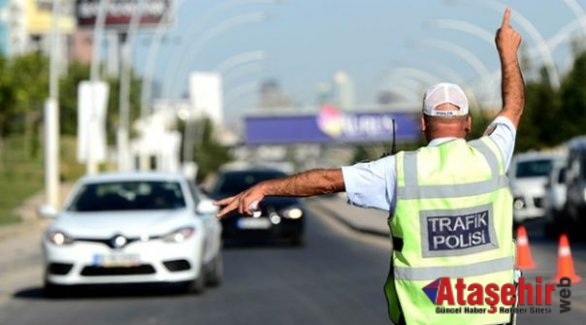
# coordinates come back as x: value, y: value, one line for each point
x: 51, y: 115
x: 196, y: 29
x: 187, y: 58
x: 148, y: 75
x: 91, y: 161
x: 533, y: 33
x: 126, y: 39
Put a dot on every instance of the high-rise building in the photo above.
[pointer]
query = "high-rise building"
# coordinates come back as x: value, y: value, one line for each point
x: 344, y: 91
x: 26, y: 26
x: 339, y: 91
x: 272, y: 96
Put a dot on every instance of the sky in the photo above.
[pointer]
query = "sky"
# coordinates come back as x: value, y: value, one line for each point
x: 380, y: 44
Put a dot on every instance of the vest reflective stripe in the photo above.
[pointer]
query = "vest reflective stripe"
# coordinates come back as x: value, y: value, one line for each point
x: 432, y: 273
x: 440, y: 191
x: 412, y: 189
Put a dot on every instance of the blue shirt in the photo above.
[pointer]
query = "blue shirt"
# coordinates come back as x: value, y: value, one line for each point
x: 372, y: 184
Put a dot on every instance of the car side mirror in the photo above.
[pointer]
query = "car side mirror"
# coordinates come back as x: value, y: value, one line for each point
x: 206, y: 207
x: 47, y: 211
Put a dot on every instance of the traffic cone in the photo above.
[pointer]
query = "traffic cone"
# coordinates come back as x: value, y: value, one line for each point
x: 565, y: 262
x: 524, y: 257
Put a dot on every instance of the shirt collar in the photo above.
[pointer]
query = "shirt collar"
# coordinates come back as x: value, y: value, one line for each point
x: 438, y: 141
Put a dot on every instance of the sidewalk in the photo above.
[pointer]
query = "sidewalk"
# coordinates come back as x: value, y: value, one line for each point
x: 370, y: 221
x: 19, y: 241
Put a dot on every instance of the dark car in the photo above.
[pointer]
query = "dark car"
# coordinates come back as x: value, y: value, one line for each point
x: 576, y: 185
x: 280, y: 217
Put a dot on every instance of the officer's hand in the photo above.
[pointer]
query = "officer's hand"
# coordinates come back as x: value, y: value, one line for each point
x: 507, y: 39
x: 246, y: 202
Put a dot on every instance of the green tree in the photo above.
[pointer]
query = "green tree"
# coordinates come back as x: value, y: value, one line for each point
x: 209, y: 154
x: 572, y: 118
x: 68, y: 85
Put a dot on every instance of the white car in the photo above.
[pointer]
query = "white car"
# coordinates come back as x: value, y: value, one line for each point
x: 133, y: 228
x: 528, y: 176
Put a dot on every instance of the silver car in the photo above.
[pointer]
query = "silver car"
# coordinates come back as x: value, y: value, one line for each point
x: 133, y: 228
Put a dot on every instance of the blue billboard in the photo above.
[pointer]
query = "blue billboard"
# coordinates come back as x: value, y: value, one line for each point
x: 332, y: 126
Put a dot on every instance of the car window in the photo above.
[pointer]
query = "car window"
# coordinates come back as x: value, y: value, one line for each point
x: 231, y: 183
x: 128, y: 195
x: 562, y: 176
x: 533, y: 168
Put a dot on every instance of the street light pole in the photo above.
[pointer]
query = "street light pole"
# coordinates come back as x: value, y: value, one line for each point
x: 126, y: 38
x: 91, y: 161
x: 51, y: 116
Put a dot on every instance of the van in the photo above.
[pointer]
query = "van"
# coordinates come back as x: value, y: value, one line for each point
x: 576, y: 181
x: 528, y: 175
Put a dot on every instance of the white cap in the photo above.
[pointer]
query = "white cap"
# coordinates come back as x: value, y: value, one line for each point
x: 445, y: 93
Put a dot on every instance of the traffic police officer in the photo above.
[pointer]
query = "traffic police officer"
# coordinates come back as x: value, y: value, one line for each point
x: 449, y: 203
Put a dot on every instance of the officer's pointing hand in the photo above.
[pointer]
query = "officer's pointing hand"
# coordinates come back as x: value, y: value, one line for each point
x: 245, y: 202
x: 507, y: 39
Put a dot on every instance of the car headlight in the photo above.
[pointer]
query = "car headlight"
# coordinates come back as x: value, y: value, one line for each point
x: 518, y: 203
x: 59, y: 238
x: 179, y: 235
x: 292, y: 213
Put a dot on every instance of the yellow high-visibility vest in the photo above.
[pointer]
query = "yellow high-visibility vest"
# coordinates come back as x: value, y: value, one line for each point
x: 453, y: 218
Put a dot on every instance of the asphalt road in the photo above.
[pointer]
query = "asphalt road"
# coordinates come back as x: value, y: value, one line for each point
x: 335, y: 279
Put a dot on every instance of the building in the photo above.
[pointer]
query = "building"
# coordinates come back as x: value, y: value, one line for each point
x: 344, y: 92
x: 339, y: 91
x: 26, y: 25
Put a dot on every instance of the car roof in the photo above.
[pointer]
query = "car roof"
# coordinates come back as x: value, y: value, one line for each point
x: 239, y: 169
x: 533, y: 155
x: 578, y: 143
x: 133, y: 176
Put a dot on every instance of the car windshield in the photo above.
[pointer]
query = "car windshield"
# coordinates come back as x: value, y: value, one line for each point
x: 534, y: 168
x: 231, y: 183
x: 128, y: 195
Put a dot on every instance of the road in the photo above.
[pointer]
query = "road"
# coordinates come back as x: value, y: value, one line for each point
x: 336, y: 278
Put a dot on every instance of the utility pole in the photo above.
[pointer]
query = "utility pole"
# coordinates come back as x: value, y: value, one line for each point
x: 51, y: 115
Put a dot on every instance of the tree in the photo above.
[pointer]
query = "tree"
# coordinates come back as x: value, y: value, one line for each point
x: 209, y: 153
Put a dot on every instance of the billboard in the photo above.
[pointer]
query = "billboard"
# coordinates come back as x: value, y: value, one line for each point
x: 119, y: 12
x: 205, y: 92
x: 92, y: 102
x: 332, y: 126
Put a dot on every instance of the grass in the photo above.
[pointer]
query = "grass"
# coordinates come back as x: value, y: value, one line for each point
x: 22, y: 173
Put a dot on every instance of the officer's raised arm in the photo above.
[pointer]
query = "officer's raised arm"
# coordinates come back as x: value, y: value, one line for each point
x: 308, y: 183
x: 513, y: 88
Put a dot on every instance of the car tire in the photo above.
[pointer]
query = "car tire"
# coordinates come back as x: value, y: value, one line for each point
x: 297, y: 241
x: 198, y: 285
x: 216, y: 271
x: 52, y: 290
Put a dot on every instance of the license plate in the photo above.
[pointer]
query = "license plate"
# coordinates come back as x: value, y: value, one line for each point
x: 254, y: 223
x: 116, y: 260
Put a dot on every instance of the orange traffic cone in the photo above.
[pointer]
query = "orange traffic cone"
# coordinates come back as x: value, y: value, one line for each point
x: 565, y: 262
x: 524, y: 257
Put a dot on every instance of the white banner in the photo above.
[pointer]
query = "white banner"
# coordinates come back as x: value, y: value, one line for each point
x: 92, y: 102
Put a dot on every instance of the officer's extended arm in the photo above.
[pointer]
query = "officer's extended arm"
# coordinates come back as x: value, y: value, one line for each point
x: 513, y: 88
x: 308, y: 183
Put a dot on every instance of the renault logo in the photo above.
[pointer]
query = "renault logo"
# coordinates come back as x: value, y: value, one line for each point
x: 118, y: 241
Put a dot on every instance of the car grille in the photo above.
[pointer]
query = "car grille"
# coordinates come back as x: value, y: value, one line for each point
x: 105, y: 271
x: 59, y: 268
x: 177, y: 265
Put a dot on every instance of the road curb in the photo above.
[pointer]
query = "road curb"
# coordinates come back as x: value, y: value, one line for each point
x: 351, y: 225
